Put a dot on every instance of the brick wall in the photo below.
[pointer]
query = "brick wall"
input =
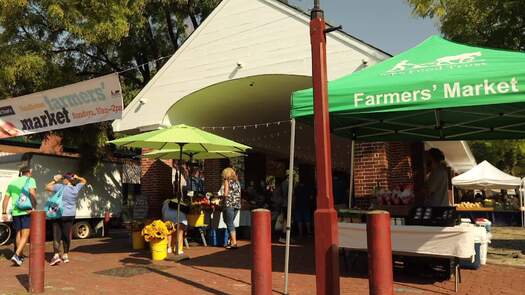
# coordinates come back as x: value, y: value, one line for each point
x: 212, y: 174
x: 156, y: 183
x: 399, y: 164
x: 387, y: 164
x: 370, y: 167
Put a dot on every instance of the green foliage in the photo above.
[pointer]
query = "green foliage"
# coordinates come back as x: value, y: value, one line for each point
x: 51, y: 43
x: 488, y: 23
x: 507, y: 155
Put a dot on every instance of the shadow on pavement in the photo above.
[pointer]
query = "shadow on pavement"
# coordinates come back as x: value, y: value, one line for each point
x: 106, y: 246
x: 23, y: 279
x: 187, y: 282
x: 7, y: 253
x: 301, y: 259
x: 518, y: 245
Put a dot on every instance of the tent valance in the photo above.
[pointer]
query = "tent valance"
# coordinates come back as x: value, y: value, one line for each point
x: 438, y: 90
x: 486, y: 176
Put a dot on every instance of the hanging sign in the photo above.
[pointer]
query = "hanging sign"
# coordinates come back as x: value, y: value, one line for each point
x: 82, y: 103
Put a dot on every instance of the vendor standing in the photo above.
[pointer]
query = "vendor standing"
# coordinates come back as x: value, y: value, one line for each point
x: 436, y: 184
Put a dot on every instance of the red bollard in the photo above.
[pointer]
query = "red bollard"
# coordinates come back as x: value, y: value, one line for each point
x: 37, y: 251
x: 107, y: 217
x: 380, y: 267
x: 261, y: 252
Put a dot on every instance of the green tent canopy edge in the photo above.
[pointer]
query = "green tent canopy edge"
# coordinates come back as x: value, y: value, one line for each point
x: 438, y: 90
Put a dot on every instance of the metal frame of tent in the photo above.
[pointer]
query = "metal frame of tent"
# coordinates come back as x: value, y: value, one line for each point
x: 488, y: 116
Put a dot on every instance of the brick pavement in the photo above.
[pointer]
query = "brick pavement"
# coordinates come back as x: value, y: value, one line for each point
x: 107, y: 266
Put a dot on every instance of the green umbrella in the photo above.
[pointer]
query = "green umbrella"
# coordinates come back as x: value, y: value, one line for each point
x: 438, y: 90
x: 188, y: 155
x: 183, y: 138
x: 191, y: 138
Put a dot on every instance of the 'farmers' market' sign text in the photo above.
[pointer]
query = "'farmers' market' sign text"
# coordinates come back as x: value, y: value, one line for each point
x: 86, y: 102
x: 446, y: 90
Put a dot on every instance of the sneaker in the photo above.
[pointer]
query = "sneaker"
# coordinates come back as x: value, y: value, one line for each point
x: 65, y: 258
x: 17, y: 260
x: 56, y: 260
x: 170, y: 250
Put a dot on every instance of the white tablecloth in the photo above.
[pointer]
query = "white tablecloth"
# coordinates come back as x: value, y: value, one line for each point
x: 455, y: 241
x: 216, y: 220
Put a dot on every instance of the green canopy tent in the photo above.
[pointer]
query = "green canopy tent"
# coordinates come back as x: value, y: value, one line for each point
x: 438, y: 90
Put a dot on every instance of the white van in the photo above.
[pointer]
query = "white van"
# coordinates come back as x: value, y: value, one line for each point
x: 102, y: 193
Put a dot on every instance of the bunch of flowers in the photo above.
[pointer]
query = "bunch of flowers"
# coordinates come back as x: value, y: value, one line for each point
x: 201, y: 201
x: 157, y: 230
x: 205, y: 203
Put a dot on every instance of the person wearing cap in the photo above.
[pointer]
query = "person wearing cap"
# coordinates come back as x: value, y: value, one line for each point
x: 21, y: 218
x: 70, y: 184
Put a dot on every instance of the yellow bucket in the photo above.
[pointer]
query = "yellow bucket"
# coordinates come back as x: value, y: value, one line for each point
x: 159, y: 249
x: 196, y: 219
x: 137, y: 241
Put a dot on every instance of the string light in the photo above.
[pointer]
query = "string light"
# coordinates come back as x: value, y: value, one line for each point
x: 257, y: 125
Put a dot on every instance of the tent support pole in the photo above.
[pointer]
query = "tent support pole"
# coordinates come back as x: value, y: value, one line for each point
x: 351, y: 185
x: 179, y: 195
x: 289, y: 207
x: 522, y: 199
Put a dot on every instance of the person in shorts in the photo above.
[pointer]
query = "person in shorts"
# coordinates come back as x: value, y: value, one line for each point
x: 21, y: 218
x: 169, y: 213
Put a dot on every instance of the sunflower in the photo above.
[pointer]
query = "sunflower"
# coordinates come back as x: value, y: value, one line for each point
x: 157, y: 230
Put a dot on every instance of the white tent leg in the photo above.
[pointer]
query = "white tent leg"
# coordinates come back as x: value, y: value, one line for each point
x: 289, y: 207
x: 351, y: 186
x: 522, y: 200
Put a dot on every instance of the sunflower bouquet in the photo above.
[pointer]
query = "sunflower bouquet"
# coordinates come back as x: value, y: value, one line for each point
x: 158, y: 230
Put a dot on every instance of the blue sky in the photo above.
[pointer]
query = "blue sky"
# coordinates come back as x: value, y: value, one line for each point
x: 386, y: 24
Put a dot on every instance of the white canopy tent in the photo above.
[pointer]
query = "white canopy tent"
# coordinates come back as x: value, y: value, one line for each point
x: 486, y: 176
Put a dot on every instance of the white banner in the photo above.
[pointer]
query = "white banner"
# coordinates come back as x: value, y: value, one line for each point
x: 82, y: 103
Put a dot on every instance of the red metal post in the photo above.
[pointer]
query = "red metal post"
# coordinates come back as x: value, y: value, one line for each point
x: 107, y: 218
x: 37, y: 251
x: 261, y: 252
x: 380, y: 267
x: 325, y: 217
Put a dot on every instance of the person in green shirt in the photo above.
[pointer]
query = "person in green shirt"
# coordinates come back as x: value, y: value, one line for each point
x: 21, y: 218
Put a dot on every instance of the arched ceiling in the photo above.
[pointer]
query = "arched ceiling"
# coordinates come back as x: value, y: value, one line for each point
x: 250, y: 100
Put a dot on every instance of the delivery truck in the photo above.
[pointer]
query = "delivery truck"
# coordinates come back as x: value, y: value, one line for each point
x: 103, y: 192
